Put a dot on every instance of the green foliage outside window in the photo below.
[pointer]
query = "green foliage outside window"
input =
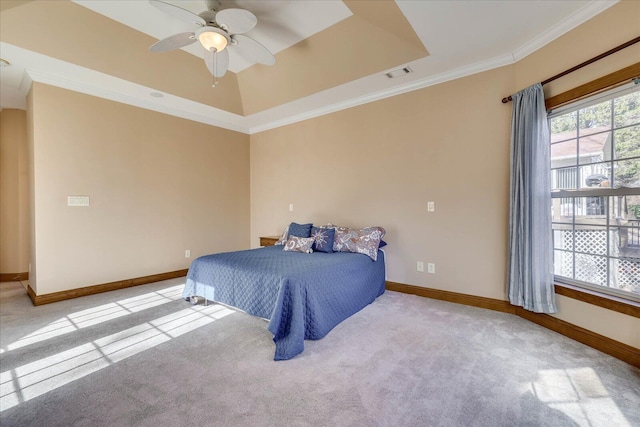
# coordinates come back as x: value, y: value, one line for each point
x: 624, y: 111
x: 634, y: 211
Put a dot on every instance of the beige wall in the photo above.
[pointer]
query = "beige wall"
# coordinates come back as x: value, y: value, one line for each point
x: 158, y: 185
x: 14, y: 193
x: 380, y: 163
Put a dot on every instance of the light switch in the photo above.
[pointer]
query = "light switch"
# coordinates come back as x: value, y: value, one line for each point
x: 77, y: 200
x: 290, y: 207
x: 431, y: 206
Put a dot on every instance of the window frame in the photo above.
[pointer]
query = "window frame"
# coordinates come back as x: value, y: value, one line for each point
x: 575, y: 285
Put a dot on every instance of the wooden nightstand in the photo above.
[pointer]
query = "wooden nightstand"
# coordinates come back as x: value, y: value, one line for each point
x: 268, y: 240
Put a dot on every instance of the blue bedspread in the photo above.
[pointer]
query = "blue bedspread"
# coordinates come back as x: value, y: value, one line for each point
x: 304, y: 296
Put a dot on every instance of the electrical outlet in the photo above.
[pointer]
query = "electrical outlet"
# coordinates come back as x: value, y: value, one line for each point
x: 290, y: 207
x: 431, y: 268
x: 431, y: 206
x: 420, y: 266
x: 187, y: 253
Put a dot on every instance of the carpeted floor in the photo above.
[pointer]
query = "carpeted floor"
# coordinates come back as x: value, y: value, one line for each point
x: 142, y: 356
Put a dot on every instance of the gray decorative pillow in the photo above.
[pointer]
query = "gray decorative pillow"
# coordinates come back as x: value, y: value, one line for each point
x: 361, y: 241
x: 283, y: 239
x: 299, y: 244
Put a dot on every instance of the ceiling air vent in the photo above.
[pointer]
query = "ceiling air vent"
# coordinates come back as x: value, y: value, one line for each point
x: 399, y: 72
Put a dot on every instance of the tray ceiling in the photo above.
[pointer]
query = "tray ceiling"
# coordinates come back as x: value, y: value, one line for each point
x: 329, y: 54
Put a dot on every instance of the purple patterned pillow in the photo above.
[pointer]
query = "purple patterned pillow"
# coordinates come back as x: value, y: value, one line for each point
x: 363, y: 241
x: 299, y: 244
x: 323, y: 239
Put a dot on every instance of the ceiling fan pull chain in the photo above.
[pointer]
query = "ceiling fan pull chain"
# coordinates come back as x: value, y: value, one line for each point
x: 215, y: 66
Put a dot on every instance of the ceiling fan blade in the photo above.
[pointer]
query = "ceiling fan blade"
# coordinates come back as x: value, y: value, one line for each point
x: 178, y: 12
x: 252, y: 50
x: 236, y: 21
x: 175, y: 41
x: 221, y: 62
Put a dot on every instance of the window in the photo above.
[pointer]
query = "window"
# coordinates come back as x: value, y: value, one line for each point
x: 595, y: 192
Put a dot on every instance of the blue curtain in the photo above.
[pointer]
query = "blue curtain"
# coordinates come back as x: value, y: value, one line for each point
x: 530, y: 265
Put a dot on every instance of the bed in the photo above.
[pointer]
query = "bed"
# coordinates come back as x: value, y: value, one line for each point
x: 303, y: 296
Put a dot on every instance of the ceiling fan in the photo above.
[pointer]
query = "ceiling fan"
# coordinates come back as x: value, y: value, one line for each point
x: 217, y: 30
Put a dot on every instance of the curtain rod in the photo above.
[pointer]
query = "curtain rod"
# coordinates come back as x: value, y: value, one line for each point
x: 584, y: 64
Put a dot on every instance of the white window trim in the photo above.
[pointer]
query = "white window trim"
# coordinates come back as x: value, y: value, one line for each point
x: 575, y: 106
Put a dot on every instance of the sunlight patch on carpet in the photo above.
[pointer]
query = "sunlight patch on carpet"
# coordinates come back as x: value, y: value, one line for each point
x: 96, y: 315
x: 579, y: 394
x: 37, y: 378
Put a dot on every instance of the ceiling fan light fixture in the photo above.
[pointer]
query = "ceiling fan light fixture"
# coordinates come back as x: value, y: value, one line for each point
x: 213, y: 38
x: 217, y: 30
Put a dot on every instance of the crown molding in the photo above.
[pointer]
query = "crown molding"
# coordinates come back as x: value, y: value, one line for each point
x: 569, y: 23
x: 173, y: 105
x: 386, y: 93
x: 584, y: 14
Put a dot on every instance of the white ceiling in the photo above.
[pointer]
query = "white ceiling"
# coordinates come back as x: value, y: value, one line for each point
x: 463, y: 37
